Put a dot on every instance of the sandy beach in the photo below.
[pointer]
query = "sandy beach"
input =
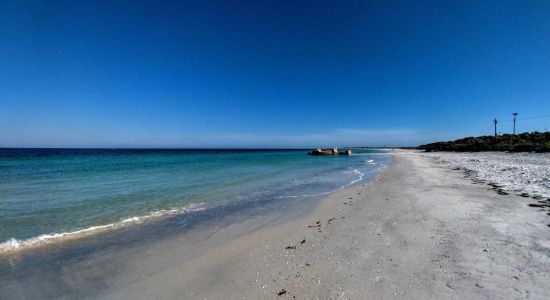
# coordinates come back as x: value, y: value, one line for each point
x: 419, y: 230
x: 274, y: 150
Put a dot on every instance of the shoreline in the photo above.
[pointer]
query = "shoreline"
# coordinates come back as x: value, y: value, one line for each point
x: 418, y: 229
x: 58, y: 195
x: 15, y: 247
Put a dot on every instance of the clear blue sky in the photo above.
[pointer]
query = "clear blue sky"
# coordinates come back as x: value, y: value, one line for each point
x: 269, y: 73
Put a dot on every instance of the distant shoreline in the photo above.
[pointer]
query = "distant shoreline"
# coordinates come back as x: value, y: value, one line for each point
x: 524, y: 142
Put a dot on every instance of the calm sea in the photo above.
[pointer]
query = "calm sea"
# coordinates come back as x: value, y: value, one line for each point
x: 47, y: 195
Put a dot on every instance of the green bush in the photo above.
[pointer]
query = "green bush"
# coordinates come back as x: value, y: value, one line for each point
x: 524, y: 142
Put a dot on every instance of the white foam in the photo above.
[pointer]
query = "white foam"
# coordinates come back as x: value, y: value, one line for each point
x: 360, y: 178
x: 13, y: 245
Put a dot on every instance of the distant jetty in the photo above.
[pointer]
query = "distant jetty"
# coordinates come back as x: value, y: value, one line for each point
x: 329, y: 151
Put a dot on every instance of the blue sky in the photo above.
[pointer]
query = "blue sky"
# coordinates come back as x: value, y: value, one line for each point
x: 269, y: 73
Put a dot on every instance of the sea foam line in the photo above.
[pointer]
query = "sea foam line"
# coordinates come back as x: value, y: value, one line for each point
x: 361, y: 175
x: 13, y: 245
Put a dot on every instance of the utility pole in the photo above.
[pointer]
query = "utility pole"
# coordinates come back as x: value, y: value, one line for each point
x: 495, y: 121
x: 515, y: 115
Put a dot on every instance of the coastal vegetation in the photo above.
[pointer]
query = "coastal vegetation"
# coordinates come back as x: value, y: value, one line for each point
x: 524, y: 142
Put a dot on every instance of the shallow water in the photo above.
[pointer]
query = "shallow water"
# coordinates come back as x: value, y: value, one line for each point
x: 199, y: 194
x: 54, y: 195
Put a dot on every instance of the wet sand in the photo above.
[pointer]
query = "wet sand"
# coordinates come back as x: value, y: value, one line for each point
x: 419, y: 230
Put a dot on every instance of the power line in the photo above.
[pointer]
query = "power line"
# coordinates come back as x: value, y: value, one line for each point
x: 529, y: 118
x: 538, y: 117
x: 495, y: 121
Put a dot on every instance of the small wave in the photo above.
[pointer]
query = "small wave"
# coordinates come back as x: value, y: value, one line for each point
x: 305, y: 195
x: 361, y: 175
x: 12, y: 245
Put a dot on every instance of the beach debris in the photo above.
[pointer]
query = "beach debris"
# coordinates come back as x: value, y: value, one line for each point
x: 307, y: 264
x: 501, y: 192
x: 281, y: 292
x: 317, y: 224
x: 448, y: 284
x: 291, y: 247
x: 330, y: 220
x: 303, y: 241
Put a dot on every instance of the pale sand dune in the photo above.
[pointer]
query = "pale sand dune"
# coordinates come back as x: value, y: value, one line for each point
x: 419, y: 230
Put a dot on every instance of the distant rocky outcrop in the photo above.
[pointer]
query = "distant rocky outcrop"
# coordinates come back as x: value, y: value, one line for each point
x: 318, y: 151
x: 333, y: 151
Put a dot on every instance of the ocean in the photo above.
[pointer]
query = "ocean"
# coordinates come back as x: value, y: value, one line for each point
x: 49, y: 196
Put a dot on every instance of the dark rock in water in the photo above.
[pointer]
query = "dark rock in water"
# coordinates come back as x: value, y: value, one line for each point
x: 346, y: 152
x: 536, y: 205
x: 333, y: 151
x: 318, y: 151
x: 524, y: 195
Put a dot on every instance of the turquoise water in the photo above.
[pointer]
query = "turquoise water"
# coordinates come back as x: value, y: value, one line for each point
x: 47, y: 192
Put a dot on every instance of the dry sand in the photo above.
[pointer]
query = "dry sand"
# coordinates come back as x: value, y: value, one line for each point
x: 419, y: 230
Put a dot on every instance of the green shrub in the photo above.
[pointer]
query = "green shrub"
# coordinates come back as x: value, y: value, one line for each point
x: 524, y: 142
